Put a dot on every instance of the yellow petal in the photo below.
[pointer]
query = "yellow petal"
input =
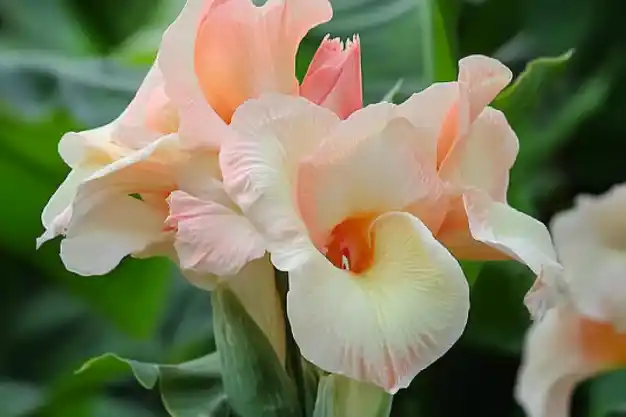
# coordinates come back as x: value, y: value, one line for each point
x: 389, y: 322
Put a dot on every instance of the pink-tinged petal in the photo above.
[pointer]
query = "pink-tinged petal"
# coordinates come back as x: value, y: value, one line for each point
x: 350, y: 172
x: 440, y: 112
x: 97, y: 241
x: 210, y: 237
x: 333, y: 79
x: 561, y: 350
x: 255, y: 286
x: 591, y: 242
x: 484, y: 77
x: 386, y: 324
x: 199, y: 125
x: 243, y: 50
x: 482, y: 159
x: 151, y: 114
x: 515, y: 234
x: 259, y: 167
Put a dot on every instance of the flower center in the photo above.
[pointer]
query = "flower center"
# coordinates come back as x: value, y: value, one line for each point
x: 602, y: 342
x: 349, y: 246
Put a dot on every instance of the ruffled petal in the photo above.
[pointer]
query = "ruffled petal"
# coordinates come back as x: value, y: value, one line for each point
x: 259, y: 168
x: 212, y: 238
x: 333, y: 79
x: 391, y: 321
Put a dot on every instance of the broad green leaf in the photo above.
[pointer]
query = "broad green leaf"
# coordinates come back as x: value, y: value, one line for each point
x: 338, y: 396
x: 400, y: 39
x: 391, y: 94
x: 520, y: 97
x: 93, y: 90
x: 254, y: 380
x: 472, y: 269
x: 190, y: 389
x: 19, y: 399
x: 607, y: 395
x: 498, y: 319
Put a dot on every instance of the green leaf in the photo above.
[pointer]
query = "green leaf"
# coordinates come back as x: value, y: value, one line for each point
x: 254, y: 380
x: 607, y: 395
x: 498, y: 319
x: 93, y: 90
x: 400, y: 39
x: 520, y: 97
x: 391, y: 94
x: 190, y: 389
x: 338, y: 396
x: 471, y: 269
x: 19, y: 399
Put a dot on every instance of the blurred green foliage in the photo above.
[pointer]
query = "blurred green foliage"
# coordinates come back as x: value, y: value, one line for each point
x: 72, y: 64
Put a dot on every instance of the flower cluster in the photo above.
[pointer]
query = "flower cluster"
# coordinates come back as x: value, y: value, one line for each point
x: 228, y: 165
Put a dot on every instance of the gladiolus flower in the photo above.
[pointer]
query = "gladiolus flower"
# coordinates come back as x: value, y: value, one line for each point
x: 353, y: 210
x: 584, y: 334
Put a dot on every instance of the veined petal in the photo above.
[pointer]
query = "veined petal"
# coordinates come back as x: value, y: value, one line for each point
x: 591, y: 242
x: 95, y: 242
x: 561, y: 350
x: 482, y: 159
x: 350, y: 172
x: 333, y: 79
x: 484, y: 77
x: 259, y: 168
x: 389, y: 322
x: 212, y: 238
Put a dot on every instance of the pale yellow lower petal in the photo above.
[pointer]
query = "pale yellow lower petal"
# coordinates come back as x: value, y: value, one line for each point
x: 388, y: 323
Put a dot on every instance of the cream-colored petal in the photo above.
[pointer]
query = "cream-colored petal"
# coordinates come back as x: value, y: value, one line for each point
x: 259, y: 168
x: 256, y: 288
x: 64, y: 195
x: 484, y: 77
x: 212, y: 238
x: 515, y: 234
x: 97, y: 241
x: 553, y: 362
x: 482, y: 159
x: 363, y: 172
x: 591, y: 242
x: 389, y: 322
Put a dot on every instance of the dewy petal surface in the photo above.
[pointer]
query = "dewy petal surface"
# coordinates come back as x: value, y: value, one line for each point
x: 259, y: 167
x: 591, y: 243
x: 389, y: 322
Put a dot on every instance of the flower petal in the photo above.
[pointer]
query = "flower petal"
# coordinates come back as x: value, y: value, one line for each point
x: 484, y: 77
x: 333, y: 79
x: 350, y: 172
x: 388, y: 323
x: 482, y: 159
x: 259, y: 167
x: 554, y: 361
x: 515, y: 234
x: 96, y: 242
x: 212, y: 238
x: 591, y: 242
x: 199, y: 126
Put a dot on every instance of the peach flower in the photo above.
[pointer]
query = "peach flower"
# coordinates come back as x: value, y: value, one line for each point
x: 353, y: 209
x: 585, y: 334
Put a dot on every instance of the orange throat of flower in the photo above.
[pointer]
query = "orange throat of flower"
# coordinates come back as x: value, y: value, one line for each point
x: 349, y: 246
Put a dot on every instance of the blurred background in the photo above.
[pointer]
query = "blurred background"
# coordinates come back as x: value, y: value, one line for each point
x: 75, y: 64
